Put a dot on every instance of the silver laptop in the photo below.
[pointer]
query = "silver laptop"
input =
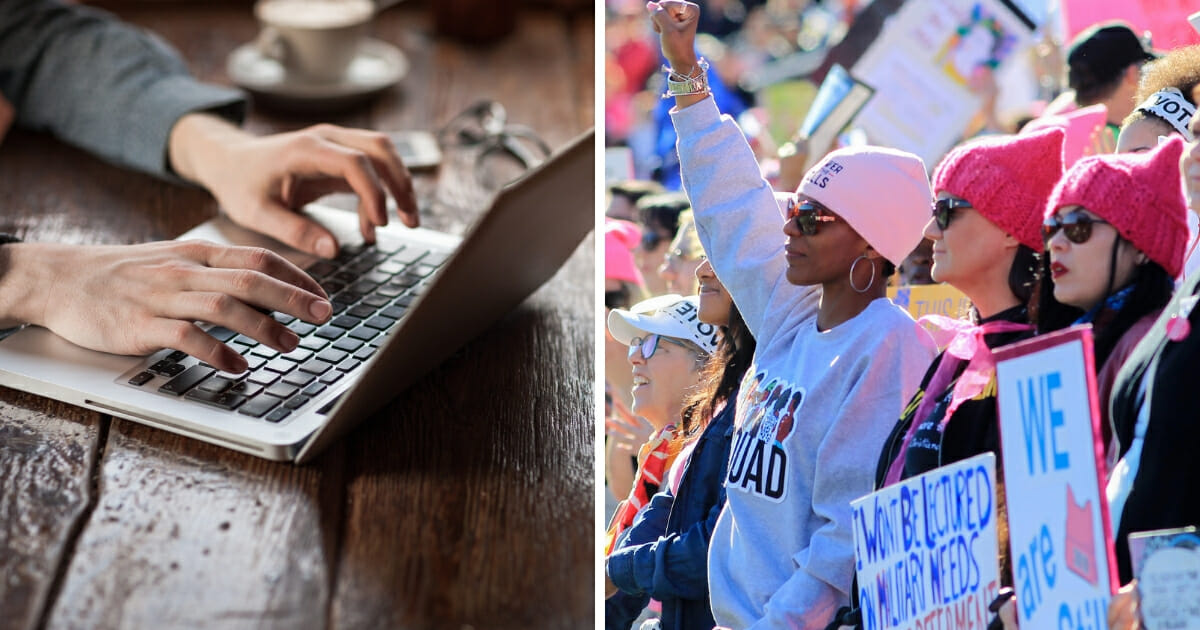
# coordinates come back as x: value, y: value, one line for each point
x: 401, y: 307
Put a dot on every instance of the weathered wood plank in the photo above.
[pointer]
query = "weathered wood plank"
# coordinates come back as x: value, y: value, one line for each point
x: 47, y: 453
x: 185, y: 534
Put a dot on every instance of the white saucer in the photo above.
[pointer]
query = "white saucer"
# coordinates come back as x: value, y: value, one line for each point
x: 378, y: 66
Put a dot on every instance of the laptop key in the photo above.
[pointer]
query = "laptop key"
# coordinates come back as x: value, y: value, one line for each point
x: 265, y: 352
x: 254, y: 362
x: 363, y: 287
x: 364, y: 354
x: 348, y: 344
x: 314, y: 389
x: 390, y: 268
x: 282, y: 390
x: 141, y: 378
x: 263, y: 377
x: 222, y: 400
x: 215, y: 384
x: 321, y: 269
x: 423, y: 269
x: 364, y: 333
x: 376, y: 300
x: 283, y: 318
x: 301, y: 328
x: 258, y: 406
x: 279, y: 414
x: 176, y: 356
x: 280, y: 365
x: 313, y: 343
x: 339, y: 306
x: 166, y: 368
x: 345, y: 277
x: 332, y: 355
x: 349, y: 364
x: 345, y: 321
x: 330, y: 378
x: 299, y: 379
x: 297, y: 402
x: 361, y: 311
x: 380, y: 322
x: 332, y: 286
x: 245, y: 341
x: 316, y: 366
x: 377, y: 277
x: 361, y: 266
x: 408, y: 255
x: 405, y: 301
x: 221, y: 333
x: 389, y: 290
x: 299, y: 355
x: 186, y: 380
x: 330, y: 332
x: 395, y: 312
x: 246, y: 388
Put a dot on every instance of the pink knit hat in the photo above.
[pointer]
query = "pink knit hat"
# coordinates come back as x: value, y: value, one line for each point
x: 1140, y: 194
x: 882, y: 193
x: 1007, y: 179
x: 620, y: 237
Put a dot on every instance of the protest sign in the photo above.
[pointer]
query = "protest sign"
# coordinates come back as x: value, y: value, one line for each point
x: 920, y: 67
x: 838, y: 100
x: 931, y: 299
x: 925, y: 549
x: 1166, y: 564
x: 1064, y: 571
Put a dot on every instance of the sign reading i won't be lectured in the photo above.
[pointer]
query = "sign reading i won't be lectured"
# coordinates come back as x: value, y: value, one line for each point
x: 925, y: 549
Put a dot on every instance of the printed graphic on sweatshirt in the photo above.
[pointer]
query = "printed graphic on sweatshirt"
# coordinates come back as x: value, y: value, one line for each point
x: 767, y: 409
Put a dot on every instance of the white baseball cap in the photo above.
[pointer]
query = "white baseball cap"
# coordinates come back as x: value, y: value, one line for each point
x: 669, y: 315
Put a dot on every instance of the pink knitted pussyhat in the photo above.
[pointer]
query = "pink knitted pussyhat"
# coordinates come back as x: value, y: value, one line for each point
x: 1007, y: 179
x: 1140, y: 194
x: 620, y: 237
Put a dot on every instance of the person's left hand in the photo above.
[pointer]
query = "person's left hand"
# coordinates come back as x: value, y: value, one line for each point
x: 1123, y: 613
x: 262, y: 181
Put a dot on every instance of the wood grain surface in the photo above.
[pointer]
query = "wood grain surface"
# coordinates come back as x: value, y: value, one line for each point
x: 466, y: 502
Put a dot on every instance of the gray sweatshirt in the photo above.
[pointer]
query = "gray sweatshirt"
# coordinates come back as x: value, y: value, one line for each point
x: 101, y: 85
x: 814, y: 408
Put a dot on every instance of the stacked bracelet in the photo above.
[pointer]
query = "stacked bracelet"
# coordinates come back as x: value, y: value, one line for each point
x: 695, y: 82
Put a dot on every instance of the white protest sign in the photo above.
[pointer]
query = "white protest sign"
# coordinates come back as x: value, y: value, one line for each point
x: 1059, y: 530
x: 925, y: 549
x: 1166, y: 564
x: 921, y: 66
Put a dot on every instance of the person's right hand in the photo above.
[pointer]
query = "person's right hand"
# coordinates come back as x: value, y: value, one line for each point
x: 138, y: 299
x: 675, y: 21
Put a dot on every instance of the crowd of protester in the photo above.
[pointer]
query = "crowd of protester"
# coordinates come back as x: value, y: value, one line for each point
x: 759, y: 379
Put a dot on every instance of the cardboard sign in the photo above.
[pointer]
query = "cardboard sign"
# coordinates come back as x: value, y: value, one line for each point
x: 925, y: 549
x: 1064, y: 570
x: 931, y: 299
x: 921, y: 64
x: 1166, y: 564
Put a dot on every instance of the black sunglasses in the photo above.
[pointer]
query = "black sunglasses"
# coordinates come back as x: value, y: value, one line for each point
x: 1076, y: 225
x: 943, y: 210
x: 648, y: 345
x: 807, y: 215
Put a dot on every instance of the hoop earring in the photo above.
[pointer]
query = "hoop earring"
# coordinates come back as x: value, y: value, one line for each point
x: 862, y: 257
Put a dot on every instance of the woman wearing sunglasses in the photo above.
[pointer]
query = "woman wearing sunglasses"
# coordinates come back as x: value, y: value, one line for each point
x: 985, y: 231
x: 1115, y: 234
x: 842, y: 356
x: 664, y: 554
x: 668, y: 345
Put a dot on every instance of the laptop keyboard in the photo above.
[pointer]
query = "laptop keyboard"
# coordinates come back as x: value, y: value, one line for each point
x: 370, y: 287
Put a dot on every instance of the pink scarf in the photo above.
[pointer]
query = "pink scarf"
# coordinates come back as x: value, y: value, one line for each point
x: 965, y: 343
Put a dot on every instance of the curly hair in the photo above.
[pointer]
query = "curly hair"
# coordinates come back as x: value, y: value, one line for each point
x: 1179, y: 69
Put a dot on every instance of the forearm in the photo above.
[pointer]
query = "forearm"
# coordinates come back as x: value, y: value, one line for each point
x: 198, y: 146
x: 26, y: 277
x: 99, y: 84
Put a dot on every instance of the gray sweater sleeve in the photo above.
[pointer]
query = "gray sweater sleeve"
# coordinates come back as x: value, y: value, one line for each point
x: 101, y: 85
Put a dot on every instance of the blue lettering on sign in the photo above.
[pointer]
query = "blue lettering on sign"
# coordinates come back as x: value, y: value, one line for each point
x: 1034, y: 395
x: 1036, y: 572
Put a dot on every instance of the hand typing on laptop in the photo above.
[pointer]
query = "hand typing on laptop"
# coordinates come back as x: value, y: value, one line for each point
x: 262, y: 181
x: 135, y: 299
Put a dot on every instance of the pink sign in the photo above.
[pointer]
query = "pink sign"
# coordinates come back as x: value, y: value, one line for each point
x: 1167, y: 20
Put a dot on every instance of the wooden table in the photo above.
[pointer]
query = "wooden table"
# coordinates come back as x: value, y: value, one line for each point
x: 466, y: 502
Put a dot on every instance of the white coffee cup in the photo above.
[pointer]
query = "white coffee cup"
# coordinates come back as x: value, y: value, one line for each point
x: 314, y: 40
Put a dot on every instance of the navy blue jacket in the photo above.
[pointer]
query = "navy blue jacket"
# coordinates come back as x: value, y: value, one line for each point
x: 664, y: 554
